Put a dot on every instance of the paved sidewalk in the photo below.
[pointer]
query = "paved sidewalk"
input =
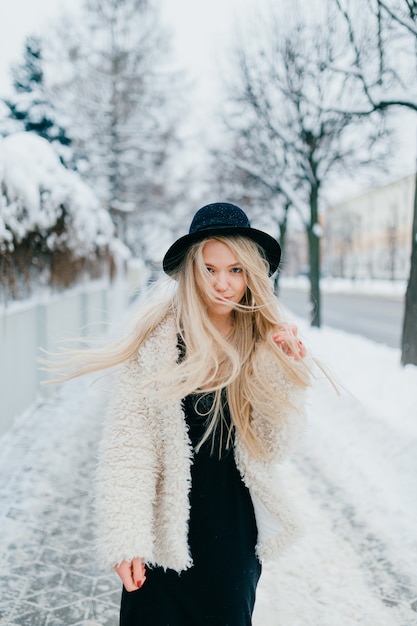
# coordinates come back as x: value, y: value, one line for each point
x: 47, y: 567
x: 335, y: 576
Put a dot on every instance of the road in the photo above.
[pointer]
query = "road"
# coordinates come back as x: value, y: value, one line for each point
x: 375, y: 317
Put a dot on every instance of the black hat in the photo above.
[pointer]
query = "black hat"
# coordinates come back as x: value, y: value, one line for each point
x: 221, y: 219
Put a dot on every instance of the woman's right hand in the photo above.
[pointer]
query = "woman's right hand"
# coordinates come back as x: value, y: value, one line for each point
x: 286, y: 338
x: 132, y: 574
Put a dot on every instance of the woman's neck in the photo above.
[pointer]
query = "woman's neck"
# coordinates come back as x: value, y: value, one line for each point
x: 223, y: 324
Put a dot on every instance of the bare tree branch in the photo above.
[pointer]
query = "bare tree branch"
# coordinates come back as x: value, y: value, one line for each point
x: 410, y: 26
x: 281, y: 140
x: 391, y: 67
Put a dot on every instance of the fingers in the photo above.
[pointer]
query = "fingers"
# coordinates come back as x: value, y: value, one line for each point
x: 124, y: 570
x: 132, y: 574
x: 287, y: 339
x: 139, y: 572
x: 302, y: 350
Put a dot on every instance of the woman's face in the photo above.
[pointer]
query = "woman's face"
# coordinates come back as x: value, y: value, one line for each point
x: 226, y: 277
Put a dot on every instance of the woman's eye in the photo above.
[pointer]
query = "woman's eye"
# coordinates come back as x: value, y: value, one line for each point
x: 236, y: 270
x: 209, y: 269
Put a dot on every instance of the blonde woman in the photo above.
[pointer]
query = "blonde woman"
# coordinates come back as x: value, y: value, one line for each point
x: 209, y: 400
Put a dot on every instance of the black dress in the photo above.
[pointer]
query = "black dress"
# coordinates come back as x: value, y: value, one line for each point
x: 219, y: 589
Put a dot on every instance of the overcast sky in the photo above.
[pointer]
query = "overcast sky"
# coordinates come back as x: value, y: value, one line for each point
x: 19, y: 18
x: 202, y: 31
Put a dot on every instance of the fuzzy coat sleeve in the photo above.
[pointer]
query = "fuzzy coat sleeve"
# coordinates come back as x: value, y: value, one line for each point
x: 127, y: 473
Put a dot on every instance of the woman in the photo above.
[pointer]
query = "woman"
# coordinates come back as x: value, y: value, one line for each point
x: 208, y: 401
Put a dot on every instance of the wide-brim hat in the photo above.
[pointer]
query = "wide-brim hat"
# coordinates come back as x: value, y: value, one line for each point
x: 220, y: 219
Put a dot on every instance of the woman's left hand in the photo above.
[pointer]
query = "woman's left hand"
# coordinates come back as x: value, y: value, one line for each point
x: 287, y: 339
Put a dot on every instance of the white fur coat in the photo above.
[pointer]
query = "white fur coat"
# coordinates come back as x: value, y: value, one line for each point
x: 143, y: 476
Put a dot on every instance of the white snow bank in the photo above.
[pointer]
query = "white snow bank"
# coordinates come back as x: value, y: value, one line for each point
x: 346, y: 285
x: 366, y: 439
x: 37, y: 191
x: 354, y: 483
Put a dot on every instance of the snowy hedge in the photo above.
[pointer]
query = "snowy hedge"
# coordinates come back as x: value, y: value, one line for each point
x: 51, y: 222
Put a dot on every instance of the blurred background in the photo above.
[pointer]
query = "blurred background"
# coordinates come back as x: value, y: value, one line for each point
x: 120, y: 118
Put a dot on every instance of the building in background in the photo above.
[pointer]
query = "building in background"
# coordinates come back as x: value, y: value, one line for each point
x: 369, y: 236
x: 294, y: 261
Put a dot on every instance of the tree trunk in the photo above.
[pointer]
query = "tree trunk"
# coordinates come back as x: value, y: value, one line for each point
x: 409, y: 337
x: 282, y: 242
x: 314, y: 258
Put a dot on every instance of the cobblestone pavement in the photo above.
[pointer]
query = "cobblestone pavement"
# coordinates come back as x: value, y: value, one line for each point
x: 48, y: 571
x: 379, y: 565
x: 336, y: 576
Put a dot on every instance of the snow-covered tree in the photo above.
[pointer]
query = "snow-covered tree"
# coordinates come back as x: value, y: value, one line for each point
x: 124, y: 103
x: 380, y: 63
x: 31, y: 106
x: 285, y: 137
x: 52, y: 226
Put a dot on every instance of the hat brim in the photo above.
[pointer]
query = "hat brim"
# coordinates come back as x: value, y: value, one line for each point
x: 177, y: 252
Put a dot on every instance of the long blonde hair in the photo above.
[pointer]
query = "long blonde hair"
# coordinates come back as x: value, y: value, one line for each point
x: 211, y: 362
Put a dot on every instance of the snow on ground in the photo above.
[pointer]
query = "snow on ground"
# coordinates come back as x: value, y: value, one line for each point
x: 345, y: 285
x: 353, y: 481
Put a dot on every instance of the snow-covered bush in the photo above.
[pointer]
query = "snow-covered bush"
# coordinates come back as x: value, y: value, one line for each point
x: 52, y: 227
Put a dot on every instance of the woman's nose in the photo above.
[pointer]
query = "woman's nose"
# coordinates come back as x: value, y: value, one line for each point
x: 221, y: 283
